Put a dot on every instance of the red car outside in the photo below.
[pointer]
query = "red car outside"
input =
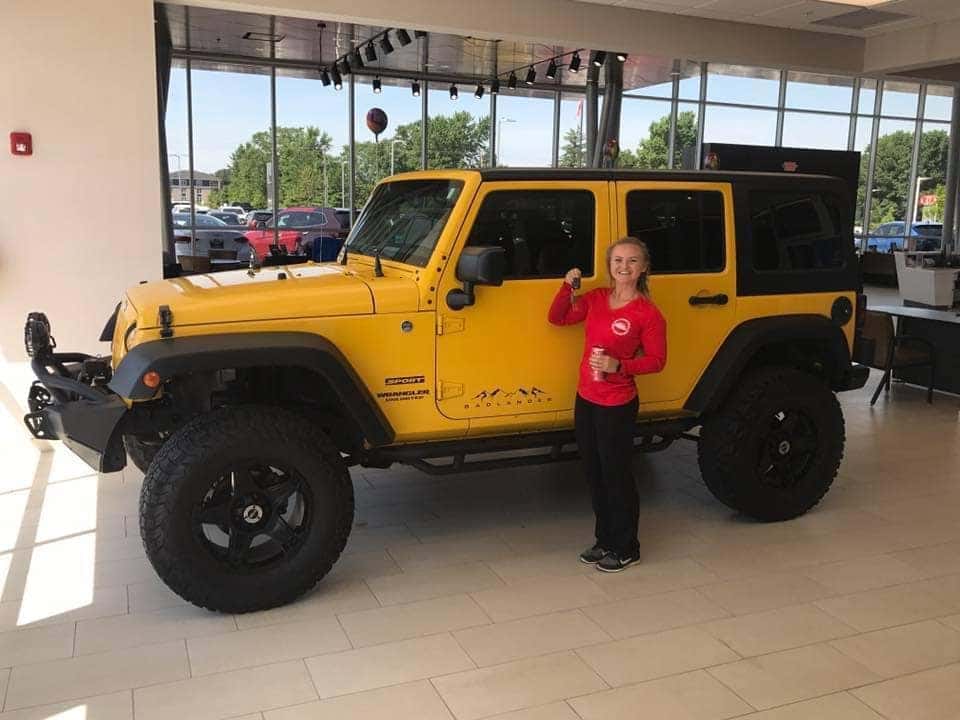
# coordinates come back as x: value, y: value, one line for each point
x: 299, y: 229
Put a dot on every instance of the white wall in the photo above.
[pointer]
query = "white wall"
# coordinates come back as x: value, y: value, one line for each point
x: 80, y: 77
x: 934, y: 44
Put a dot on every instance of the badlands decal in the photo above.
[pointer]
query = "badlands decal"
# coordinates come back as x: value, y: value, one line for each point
x: 620, y: 326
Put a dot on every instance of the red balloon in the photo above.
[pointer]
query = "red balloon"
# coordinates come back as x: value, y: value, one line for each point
x: 376, y: 120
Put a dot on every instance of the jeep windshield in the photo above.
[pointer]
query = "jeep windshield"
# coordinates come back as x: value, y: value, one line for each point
x: 403, y: 220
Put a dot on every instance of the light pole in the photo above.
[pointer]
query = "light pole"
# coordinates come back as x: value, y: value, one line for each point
x: 177, y: 156
x: 500, y: 123
x: 393, y: 147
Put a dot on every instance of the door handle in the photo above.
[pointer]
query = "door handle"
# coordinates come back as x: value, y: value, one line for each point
x: 718, y: 299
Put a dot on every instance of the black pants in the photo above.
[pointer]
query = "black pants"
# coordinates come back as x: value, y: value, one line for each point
x: 605, y: 438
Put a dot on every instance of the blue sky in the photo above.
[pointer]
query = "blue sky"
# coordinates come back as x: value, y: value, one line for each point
x: 229, y: 107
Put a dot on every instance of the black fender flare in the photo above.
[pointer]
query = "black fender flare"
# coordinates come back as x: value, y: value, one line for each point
x: 751, y: 337
x: 199, y: 353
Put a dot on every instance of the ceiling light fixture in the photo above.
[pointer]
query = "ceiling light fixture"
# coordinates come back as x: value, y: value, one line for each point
x: 419, y: 33
x: 357, y: 59
x: 575, y: 63
x: 552, y: 70
x: 376, y: 85
x: 371, y: 53
x: 622, y: 56
x: 454, y: 93
x: 599, y: 57
x: 345, y: 68
x: 324, y: 77
x: 478, y: 93
x: 415, y: 88
x: 386, y: 45
x: 337, y: 80
x: 531, y: 76
x: 404, y: 37
x: 512, y: 81
x: 495, y: 86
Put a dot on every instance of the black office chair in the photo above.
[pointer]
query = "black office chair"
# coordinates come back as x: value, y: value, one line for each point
x: 895, y: 352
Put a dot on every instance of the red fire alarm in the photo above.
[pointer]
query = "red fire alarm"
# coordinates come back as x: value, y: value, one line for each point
x: 21, y: 143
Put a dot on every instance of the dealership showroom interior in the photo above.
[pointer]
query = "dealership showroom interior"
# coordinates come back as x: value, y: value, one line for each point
x: 504, y: 359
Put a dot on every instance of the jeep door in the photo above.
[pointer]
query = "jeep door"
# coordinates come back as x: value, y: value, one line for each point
x: 689, y: 230
x: 500, y: 363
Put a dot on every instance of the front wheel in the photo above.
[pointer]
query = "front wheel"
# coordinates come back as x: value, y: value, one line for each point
x: 245, y: 509
x: 774, y: 448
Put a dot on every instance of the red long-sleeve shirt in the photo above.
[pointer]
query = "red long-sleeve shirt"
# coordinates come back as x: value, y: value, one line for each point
x: 635, y: 334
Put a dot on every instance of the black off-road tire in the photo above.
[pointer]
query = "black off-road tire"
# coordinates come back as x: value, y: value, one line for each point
x: 141, y: 452
x: 179, y: 482
x: 741, y: 447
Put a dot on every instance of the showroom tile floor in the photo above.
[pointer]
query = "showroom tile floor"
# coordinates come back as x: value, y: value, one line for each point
x: 462, y: 598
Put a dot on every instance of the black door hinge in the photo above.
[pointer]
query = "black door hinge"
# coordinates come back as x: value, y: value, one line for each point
x: 166, y: 321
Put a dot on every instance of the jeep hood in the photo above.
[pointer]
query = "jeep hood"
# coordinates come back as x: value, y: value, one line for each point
x: 239, y: 295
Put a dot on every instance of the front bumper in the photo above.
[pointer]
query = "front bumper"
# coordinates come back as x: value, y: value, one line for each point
x: 87, y: 418
x: 854, y: 378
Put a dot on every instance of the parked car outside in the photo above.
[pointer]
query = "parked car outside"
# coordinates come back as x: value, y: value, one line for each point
x: 313, y: 231
x: 890, y: 236
x: 257, y: 216
x: 220, y: 242
x: 235, y: 209
x: 229, y: 218
x: 185, y: 208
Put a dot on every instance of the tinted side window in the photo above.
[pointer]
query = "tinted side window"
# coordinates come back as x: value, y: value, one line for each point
x: 683, y: 229
x: 544, y: 232
x: 796, y: 231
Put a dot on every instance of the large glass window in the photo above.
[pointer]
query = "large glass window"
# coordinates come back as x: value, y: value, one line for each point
x: 573, y: 141
x: 891, y: 175
x: 544, y: 233
x: 939, y: 102
x: 930, y: 191
x: 644, y: 133
x: 899, y: 99
x: 690, y: 80
x: 525, y: 129
x: 864, y: 129
x: 397, y: 147
x: 808, y: 91
x: 796, y: 231
x: 683, y: 230
x: 685, y: 143
x: 811, y: 130
x: 867, y: 97
x: 178, y: 139
x: 742, y: 85
x: 740, y: 125
x: 459, y: 128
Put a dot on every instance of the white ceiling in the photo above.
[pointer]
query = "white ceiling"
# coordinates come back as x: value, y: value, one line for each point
x: 802, y: 14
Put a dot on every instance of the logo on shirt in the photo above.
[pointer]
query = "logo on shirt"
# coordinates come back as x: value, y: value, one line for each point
x: 620, y: 326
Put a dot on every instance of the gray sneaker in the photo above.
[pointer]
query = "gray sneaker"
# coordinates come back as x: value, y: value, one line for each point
x: 612, y: 562
x: 593, y: 555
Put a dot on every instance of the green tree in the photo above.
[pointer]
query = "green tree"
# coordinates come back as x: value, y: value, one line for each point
x: 574, y: 151
x: 651, y: 153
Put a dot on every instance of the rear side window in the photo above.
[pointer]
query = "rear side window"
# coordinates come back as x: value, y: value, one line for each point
x: 683, y: 229
x: 543, y: 232
x: 796, y: 231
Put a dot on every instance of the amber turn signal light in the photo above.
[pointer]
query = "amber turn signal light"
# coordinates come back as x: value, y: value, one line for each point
x: 151, y: 379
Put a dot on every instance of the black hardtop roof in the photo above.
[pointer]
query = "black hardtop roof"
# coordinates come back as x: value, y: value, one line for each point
x: 506, y: 174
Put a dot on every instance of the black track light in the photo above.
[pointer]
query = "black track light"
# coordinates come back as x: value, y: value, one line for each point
x: 337, y: 80
x: 599, y: 57
x: 575, y: 63
x: 512, y: 81
x: 478, y: 93
x: 552, y: 70
x: 357, y: 59
x: 495, y: 86
x: 415, y: 88
x: 345, y: 68
x: 376, y: 85
x: 454, y: 93
x: 622, y: 57
x: 404, y: 37
x: 324, y: 77
x: 371, y: 53
x: 531, y: 76
x: 386, y: 45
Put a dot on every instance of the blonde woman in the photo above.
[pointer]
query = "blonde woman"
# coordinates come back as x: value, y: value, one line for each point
x: 625, y: 336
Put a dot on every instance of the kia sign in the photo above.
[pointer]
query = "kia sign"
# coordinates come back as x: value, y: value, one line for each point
x: 928, y: 200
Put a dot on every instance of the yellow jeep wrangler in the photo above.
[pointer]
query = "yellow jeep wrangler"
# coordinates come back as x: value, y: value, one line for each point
x: 244, y: 396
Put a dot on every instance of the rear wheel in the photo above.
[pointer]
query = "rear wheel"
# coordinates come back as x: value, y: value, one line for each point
x: 245, y: 509
x: 773, y: 449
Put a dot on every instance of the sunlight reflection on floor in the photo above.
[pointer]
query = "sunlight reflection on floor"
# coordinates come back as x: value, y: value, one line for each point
x: 69, y: 508
x: 60, y: 578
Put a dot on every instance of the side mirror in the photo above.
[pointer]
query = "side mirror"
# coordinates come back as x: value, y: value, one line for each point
x: 477, y: 266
